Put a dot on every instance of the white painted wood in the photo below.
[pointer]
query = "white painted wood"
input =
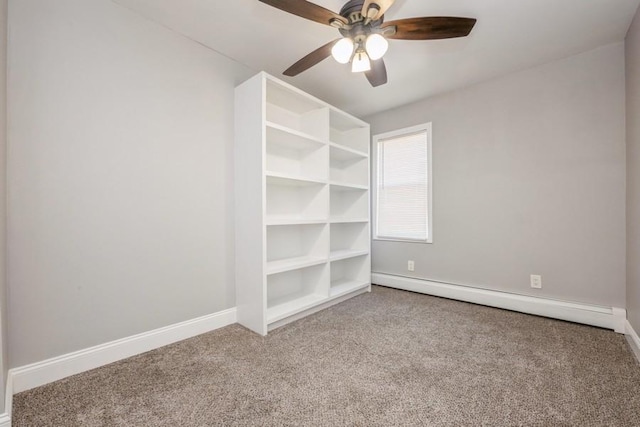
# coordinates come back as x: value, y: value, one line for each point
x: 289, y: 98
x: 8, y: 397
x: 291, y: 180
x: 295, y: 199
x: 348, y: 203
x: 356, y: 153
x: 350, y: 236
x: 328, y: 302
x: 288, y: 291
x: 348, y: 272
x: 290, y: 221
x: 294, y: 133
x: 620, y: 316
x: 310, y: 123
x: 347, y: 186
x: 350, y: 181
x: 356, y: 139
x: 344, y: 154
x: 338, y: 116
x: 5, y: 417
x: 633, y: 338
x: 290, y: 268
x: 338, y: 220
x: 343, y: 122
x: 293, y: 219
x: 284, y: 265
x: 603, y: 317
x: 349, y: 134
x: 289, y: 242
x: 291, y: 307
x: 250, y: 195
x: 296, y: 110
x: 47, y: 371
x: 347, y: 253
x: 344, y: 286
x: 305, y: 161
x: 349, y: 168
x: 316, y: 122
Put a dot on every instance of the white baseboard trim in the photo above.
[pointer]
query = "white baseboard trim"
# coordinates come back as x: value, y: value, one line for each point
x: 47, y: 371
x: 634, y: 340
x: 603, y: 317
x: 8, y: 402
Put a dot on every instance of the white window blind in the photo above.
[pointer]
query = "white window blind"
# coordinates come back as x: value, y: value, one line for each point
x: 403, y: 185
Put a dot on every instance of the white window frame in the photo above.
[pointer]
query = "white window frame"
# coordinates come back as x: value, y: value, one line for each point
x: 377, y: 140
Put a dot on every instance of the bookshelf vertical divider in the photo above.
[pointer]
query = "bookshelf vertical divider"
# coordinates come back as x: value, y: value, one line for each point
x: 301, y: 204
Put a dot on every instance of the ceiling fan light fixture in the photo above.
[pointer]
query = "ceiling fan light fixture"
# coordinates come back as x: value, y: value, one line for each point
x: 360, y: 62
x: 343, y: 50
x: 376, y: 46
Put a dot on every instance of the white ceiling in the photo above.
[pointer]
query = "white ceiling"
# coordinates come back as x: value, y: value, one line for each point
x: 510, y: 35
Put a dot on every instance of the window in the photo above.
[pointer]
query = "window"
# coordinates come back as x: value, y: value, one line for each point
x: 403, y: 185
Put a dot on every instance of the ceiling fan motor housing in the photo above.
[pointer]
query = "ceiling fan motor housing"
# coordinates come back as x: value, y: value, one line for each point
x: 352, y: 7
x: 352, y: 10
x: 359, y: 27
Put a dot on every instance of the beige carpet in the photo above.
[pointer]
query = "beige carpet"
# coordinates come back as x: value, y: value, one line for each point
x: 389, y: 358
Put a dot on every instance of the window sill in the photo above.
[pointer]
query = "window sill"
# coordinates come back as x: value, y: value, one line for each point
x: 391, y: 239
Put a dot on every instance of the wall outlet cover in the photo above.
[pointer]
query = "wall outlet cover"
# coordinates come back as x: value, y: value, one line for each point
x: 536, y: 281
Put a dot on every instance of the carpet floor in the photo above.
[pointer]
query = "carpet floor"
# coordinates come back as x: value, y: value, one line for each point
x: 387, y: 358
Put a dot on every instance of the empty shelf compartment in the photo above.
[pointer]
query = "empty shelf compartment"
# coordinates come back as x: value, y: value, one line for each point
x: 295, y: 291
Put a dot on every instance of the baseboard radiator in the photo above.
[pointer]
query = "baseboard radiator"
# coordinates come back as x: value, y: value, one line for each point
x: 604, y: 317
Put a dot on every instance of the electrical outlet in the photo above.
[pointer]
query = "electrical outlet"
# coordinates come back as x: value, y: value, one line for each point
x: 411, y: 266
x: 536, y: 281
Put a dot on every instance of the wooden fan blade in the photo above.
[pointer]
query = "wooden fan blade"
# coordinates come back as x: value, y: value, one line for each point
x: 377, y: 75
x: 430, y: 28
x: 306, y: 10
x: 310, y: 60
x: 383, y: 5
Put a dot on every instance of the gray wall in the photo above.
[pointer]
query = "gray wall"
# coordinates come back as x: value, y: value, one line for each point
x: 120, y: 177
x: 633, y: 173
x: 4, y: 366
x: 529, y: 178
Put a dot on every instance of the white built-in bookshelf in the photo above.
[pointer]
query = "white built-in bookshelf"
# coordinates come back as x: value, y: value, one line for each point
x: 302, y: 204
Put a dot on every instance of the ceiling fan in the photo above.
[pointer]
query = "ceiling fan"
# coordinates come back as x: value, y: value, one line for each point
x: 364, y: 34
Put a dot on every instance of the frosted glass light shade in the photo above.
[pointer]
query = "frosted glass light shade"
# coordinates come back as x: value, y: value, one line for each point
x: 360, y: 62
x: 342, y: 50
x: 376, y: 46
